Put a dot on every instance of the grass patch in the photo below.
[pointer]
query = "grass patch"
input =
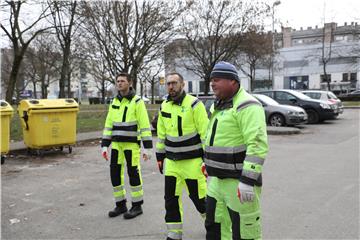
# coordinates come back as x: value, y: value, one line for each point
x: 351, y: 103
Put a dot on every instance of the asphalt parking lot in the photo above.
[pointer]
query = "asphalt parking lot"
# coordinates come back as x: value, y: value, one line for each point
x: 311, y: 191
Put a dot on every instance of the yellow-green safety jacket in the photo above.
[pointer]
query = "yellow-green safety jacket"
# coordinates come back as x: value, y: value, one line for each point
x: 127, y: 121
x: 181, y: 128
x: 236, y: 141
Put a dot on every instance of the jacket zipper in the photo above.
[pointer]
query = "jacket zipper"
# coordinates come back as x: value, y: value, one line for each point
x: 213, y: 131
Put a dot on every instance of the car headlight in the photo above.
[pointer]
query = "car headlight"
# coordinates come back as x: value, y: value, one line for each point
x: 325, y: 106
x: 291, y: 113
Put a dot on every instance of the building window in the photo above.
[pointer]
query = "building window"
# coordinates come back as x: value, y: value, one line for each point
x: 353, y: 76
x: 345, y: 77
x: 322, y: 78
x: 202, y: 86
x: 299, y: 82
x: 190, y: 87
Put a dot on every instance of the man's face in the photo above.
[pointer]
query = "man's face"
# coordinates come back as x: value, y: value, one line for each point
x: 122, y: 84
x: 174, y: 85
x: 222, y: 88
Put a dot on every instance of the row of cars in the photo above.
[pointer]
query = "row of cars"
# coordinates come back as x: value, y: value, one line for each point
x: 287, y: 107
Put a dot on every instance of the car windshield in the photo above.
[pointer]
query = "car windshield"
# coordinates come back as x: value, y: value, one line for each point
x: 267, y: 100
x: 331, y: 95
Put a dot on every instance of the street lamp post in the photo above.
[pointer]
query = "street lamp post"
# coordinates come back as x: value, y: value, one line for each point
x: 276, y: 3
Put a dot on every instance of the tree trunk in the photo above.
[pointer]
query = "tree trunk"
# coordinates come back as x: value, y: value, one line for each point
x: 34, y: 87
x: 103, y: 90
x: 152, y: 91
x: 64, y: 72
x: 13, y: 76
x: 326, y: 77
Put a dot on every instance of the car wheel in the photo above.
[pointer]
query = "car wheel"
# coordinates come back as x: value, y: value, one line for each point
x: 277, y: 120
x: 313, y: 116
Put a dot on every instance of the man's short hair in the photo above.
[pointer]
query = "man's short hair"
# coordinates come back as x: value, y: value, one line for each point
x: 175, y: 73
x: 124, y: 74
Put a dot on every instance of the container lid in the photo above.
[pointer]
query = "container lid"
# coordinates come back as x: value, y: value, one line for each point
x: 5, y: 107
x: 47, y: 104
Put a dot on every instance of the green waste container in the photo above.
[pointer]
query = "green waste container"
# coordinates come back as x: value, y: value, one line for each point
x: 6, y: 112
x: 48, y: 123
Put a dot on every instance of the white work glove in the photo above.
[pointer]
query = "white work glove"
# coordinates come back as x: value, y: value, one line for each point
x: 104, y: 153
x: 245, y: 192
x: 147, y: 154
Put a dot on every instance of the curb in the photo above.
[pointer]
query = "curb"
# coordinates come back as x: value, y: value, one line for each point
x: 88, y: 136
x: 282, y: 130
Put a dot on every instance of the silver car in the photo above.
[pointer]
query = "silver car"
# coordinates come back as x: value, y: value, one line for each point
x: 280, y: 115
x: 328, y: 97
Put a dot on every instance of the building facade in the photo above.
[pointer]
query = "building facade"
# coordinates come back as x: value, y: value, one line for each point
x: 298, y: 60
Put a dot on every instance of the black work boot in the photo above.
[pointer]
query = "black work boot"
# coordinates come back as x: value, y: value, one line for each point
x: 133, y: 212
x: 119, y: 209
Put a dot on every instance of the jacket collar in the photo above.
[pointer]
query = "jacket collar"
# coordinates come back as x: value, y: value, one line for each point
x: 227, y: 103
x: 178, y: 99
x: 129, y: 96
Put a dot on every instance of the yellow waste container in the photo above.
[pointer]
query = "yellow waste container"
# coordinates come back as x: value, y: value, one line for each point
x: 48, y: 123
x: 6, y: 112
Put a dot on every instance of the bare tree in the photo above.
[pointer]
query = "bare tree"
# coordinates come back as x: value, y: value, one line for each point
x: 212, y: 29
x: 326, y: 50
x: 150, y: 74
x: 20, y: 36
x: 255, y: 49
x: 129, y: 32
x: 65, y: 21
x: 43, y: 63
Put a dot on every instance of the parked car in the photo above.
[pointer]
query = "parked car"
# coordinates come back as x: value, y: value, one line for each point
x: 207, y: 100
x: 317, y: 110
x: 327, y: 96
x: 355, y: 93
x: 280, y: 115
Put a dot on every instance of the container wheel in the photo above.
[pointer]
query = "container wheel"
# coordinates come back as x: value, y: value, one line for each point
x: 2, y: 159
x: 61, y: 148
x: 70, y: 149
x: 39, y: 153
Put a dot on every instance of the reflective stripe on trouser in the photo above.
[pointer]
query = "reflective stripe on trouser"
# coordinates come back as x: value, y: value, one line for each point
x: 180, y: 174
x: 226, y: 217
x: 129, y: 153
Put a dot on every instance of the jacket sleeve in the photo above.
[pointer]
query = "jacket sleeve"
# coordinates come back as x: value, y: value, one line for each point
x: 201, y: 119
x: 251, y: 119
x: 107, y: 132
x: 144, y: 124
x: 160, y: 144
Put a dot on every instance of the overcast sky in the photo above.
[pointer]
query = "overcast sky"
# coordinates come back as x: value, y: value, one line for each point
x: 308, y: 13
x: 297, y: 13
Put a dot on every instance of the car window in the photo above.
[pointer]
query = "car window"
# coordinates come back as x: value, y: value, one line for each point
x: 284, y: 96
x: 313, y: 95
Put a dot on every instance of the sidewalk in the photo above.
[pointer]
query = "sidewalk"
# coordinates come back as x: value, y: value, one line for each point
x: 16, y: 146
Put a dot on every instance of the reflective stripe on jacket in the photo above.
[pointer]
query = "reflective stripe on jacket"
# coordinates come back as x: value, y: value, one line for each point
x: 127, y: 121
x: 236, y: 142
x: 181, y: 129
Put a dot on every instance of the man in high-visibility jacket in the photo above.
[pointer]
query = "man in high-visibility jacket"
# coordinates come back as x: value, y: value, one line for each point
x: 181, y: 129
x: 235, y: 150
x: 127, y: 124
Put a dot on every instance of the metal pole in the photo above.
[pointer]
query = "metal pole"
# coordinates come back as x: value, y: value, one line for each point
x: 276, y: 3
